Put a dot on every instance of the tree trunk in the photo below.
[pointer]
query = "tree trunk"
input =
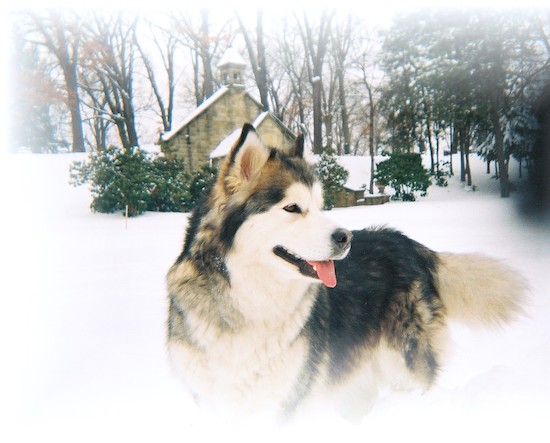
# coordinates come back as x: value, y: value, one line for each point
x: 317, y: 116
x: 462, y: 160
x: 437, y: 153
x: 316, y: 47
x: 257, y: 57
x: 430, y: 144
x: 468, y: 171
x: 501, y: 158
x: 66, y: 49
x: 453, y: 150
x: 371, y: 136
x: 73, y: 103
x: 261, y: 70
x: 206, y: 56
x: 344, y: 110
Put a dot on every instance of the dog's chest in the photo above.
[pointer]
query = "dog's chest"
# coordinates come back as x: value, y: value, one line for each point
x: 251, y: 369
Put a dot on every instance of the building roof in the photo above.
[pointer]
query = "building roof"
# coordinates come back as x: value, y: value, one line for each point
x: 228, y: 142
x: 231, y: 57
x: 166, y: 136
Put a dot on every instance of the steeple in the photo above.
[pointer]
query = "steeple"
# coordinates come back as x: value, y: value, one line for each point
x: 231, y: 67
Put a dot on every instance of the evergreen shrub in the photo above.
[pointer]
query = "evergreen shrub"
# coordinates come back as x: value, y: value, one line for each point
x: 404, y: 173
x: 333, y: 176
x: 121, y: 178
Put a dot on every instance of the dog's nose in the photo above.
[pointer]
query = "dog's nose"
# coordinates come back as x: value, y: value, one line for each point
x: 342, y: 237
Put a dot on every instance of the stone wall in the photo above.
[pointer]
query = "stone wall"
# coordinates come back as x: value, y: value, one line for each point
x: 275, y: 136
x: 195, y: 142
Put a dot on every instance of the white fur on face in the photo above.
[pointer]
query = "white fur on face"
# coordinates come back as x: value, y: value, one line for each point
x: 307, y: 234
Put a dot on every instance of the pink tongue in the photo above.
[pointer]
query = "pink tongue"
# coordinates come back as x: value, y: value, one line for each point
x: 325, y: 271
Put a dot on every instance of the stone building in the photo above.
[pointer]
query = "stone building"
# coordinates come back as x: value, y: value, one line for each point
x: 208, y: 133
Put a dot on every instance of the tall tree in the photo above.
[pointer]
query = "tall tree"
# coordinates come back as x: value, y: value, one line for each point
x: 60, y: 33
x: 372, y: 87
x: 315, y: 39
x: 341, y: 46
x: 461, y: 71
x: 166, y: 45
x: 257, y: 56
x: 400, y: 97
x: 109, y: 53
x: 33, y: 96
x: 293, y: 66
x: 205, y: 46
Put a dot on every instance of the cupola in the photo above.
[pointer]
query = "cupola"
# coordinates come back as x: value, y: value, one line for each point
x: 231, y: 67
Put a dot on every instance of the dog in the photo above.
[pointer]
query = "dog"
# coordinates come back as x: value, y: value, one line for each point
x: 273, y: 308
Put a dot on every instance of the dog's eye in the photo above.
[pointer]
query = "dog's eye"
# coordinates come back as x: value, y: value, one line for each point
x: 294, y: 208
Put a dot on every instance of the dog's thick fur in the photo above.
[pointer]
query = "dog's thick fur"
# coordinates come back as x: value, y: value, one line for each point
x: 252, y: 326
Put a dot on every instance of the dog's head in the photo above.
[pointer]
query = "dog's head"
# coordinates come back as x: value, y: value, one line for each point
x: 271, y: 207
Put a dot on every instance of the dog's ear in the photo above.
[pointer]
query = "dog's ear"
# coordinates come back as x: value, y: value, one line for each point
x: 298, y: 149
x: 248, y: 156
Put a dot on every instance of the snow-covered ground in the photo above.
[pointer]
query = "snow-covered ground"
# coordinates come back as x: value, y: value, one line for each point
x: 82, y: 322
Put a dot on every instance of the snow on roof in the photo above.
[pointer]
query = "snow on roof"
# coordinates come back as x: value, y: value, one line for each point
x: 260, y: 119
x: 226, y: 144
x: 231, y: 57
x: 166, y: 136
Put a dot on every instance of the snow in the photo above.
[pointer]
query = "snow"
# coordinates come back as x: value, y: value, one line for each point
x: 259, y: 120
x: 223, y: 148
x: 231, y: 57
x: 83, y: 322
x: 166, y: 136
x: 226, y: 144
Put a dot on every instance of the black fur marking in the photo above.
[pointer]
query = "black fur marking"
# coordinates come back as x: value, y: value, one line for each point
x: 235, y: 216
x: 380, y: 270
x: 261, y: 201
x: 247, y: 127
x: 197, y: 215
x: 300, y: 170
x: 303, y: 266
x: 299, y: 146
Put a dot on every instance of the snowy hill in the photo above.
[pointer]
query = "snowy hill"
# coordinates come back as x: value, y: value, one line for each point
x: 83, y: 322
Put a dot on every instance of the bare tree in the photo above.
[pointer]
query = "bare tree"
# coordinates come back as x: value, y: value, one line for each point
x: 315, y: 40
x: 109, y: 53
x: 61, y: 35
x: 340, y: 51
x: 204, y: 46
x: 372, y: 84
x: 257, y: 56
x: 166, y: 44
x: 293, y: 66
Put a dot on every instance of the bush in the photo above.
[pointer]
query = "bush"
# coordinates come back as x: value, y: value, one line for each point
x: 332, y: 176
x: 170, y: 191
x: 132, y: 178
x: 405, y: 174
x: 118, y: 178
x: 198, y: 184
x: 440, y: 175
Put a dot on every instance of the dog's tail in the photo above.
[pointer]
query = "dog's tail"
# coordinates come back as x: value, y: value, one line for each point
x: 479, y: 290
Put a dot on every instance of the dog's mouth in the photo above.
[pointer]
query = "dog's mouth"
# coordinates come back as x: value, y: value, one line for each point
x: 321, y: 270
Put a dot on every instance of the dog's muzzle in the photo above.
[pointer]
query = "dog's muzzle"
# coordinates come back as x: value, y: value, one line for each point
x: 322, y: 270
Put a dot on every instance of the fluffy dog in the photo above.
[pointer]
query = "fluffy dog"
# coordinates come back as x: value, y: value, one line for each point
x: 272, y: 307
